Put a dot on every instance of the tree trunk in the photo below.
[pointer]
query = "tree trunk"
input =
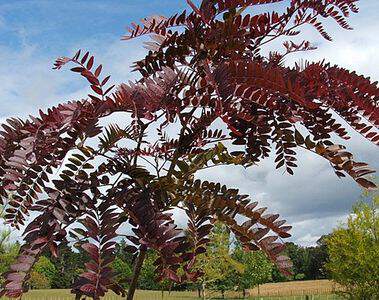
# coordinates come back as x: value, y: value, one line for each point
x: 199, y: 292
x: 137, y: 271
x: 203, y: 287
x: 243, y: 293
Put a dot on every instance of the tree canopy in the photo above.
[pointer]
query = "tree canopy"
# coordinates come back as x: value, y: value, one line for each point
x: 212, y: 69
x: 217, y: 264
x: 257, y: 269
x: 354, y: 252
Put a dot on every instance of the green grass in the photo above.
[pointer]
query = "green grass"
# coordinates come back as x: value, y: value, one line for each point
x: 155, y: 295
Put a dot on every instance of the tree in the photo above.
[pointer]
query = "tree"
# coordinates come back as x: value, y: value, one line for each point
x: 299, y: 257
x: 68, y: 265
x: 354, y: 252
x: 211, y: 69
x: 257, y: 269
x: 308, y: 262
x: 7, y: 258
x: 39, y: 281
x: 8, y: 249
x: 277, y: 276
x: 217, y: 264
x: 123, y: 271
x: 318, y: 257
x: 47, y: 273
x: 147, y: 278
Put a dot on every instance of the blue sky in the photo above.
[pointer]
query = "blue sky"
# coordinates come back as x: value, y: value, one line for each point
x: 55, y: 25
x: 34, y: 33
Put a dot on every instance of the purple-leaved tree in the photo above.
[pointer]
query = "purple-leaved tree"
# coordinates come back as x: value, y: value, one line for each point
x: 211, y: 69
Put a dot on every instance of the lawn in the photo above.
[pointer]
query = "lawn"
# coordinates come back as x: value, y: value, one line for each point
x: 318, y: 290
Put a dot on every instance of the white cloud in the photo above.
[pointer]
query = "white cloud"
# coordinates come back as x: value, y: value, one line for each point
x: 29, y: 83
x: 355, y: 50
x: 307, y: 232
x: 315, y: 200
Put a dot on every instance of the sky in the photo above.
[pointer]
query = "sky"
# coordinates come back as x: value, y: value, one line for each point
x: 34, y: 33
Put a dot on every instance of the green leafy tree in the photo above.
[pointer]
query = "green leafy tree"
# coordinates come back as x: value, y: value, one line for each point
x: 277, y: 276
x: 8, y: 250
x: 39, y: 281
x: 123, y: 253
x: 148, y: 277
x: 317, y: 258
x: 123, y: 264
x: 7, y: 257
x: 354, y: 253
x: 299, y: 257
x: 257, y: 269
x: 123, y: 271
x: 217, y: 263
x: 46, y: 268
x: 308, y: 262
x: 68, y: 265
x: 4, y: 239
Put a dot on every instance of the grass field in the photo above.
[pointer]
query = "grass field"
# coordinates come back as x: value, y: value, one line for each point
x: 296, y: 288
x: 317, y: 290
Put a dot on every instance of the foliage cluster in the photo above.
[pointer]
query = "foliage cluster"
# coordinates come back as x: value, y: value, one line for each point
x: 308, y: 262
x: 354, y: 252
x: 226, y: 265
x: 8, y: 252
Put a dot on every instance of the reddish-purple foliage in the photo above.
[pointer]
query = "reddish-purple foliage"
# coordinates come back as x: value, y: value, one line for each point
x: 213, y: 69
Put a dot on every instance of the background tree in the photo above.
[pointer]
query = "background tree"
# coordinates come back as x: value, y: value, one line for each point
x: 308, y: 262
x: 8, y: 256
x: 123, y: 271
x: 277, y: 276
x: 8, y: 248
x: 318, y: 257
x: 68, y: 265
x: 300, y: 259
x: 39, y: 281
x: 147, y: 279
x: 257, y: 269
x: 217, y: 263
x: 354, y: 252
x: 45, y: 273
x: 87, y: 180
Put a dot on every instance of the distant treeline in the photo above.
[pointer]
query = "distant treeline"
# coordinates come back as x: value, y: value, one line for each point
x: 227, y: 266
x: 350, y: 254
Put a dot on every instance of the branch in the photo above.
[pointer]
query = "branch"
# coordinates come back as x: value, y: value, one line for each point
x: 177, y: 151
x: 197, y: 11
x: 136, y: 272
x: 138, y: 148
